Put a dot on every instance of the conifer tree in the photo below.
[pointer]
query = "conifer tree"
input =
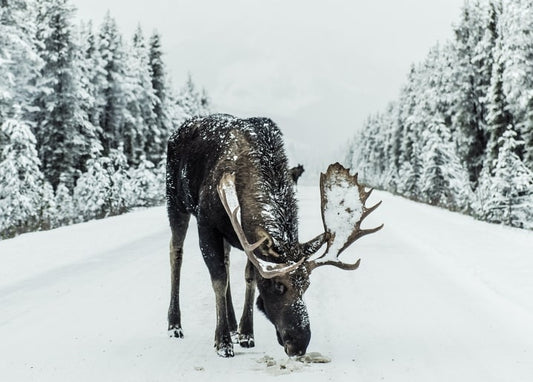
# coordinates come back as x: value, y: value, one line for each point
x: 63, y: 130
x: 115, y: 112
x: 19, y: 61
x: 444, y: 180
x: 192, y: 102
x: 472, y: 68
x: 517, y: 77
x: 499, y: 118
x: 160, y: 131
x: 141, y: 106
x: 92, y: 66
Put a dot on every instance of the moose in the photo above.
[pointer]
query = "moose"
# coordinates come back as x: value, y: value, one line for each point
x: 232, y: 175
x: 296, y: 172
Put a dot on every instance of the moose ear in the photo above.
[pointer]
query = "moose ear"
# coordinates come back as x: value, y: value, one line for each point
x: 313, y: 245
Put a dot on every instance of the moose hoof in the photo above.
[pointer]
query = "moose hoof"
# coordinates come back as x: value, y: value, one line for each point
x: 175, y: 331
x: 225, y: 350
x: 246, y: 340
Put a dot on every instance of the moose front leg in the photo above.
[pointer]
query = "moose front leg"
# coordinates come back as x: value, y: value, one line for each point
x: 232, y: 321
x: 212, y: 247
x: 179, y: 222
x: 246, y: 326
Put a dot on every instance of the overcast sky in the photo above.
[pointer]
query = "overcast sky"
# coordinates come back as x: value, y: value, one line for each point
x: 317, y: 68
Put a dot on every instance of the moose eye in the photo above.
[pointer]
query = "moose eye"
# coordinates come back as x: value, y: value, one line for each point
x: 279, y: 288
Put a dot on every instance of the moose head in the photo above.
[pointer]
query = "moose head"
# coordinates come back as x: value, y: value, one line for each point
x: 281, y: 284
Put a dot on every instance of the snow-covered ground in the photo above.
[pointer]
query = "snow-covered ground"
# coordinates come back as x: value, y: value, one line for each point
x: 438, y: 297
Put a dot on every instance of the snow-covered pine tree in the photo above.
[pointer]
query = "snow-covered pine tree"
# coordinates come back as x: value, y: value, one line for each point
x: 62, y: 128
x: 414, y: 120
x: 92, y: 77
x: 115, y: 88
x: 19, y: 61
x: 391, y: 133
x: 510, y: 193
x: 499, y: 116
x: 121, y: 191
x: 516, y: 28
x: 141, y: 106
x: 156, y: 137
x: 472, y: 48
x: 444, y: 179
x: 192, y: 102
x: 21, y: 180
x: 94, y: 74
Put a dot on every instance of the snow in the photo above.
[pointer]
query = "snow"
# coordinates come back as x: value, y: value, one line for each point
x: 342, y: 211
x: 438, y: 297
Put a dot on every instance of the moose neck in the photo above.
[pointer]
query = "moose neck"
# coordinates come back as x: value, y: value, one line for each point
x: 268, y: 201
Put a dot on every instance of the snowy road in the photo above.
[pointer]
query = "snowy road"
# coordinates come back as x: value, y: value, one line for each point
x: 438, y: 297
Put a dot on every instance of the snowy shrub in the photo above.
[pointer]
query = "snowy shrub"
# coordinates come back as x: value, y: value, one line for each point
x: 146, y: 184
x: 21, y: 180
x: 121, y: 196
x: 91, y: 193
x: 509, y: 195
x: 64, y: 206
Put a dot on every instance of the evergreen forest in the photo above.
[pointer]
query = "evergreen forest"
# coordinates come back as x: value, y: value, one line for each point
x: 460, y: 134
x: 85, y: 113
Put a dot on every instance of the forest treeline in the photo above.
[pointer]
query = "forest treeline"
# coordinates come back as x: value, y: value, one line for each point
x: 84, y: 117
x: 460, y: 136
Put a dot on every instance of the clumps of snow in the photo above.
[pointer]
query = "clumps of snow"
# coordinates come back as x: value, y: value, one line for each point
x: 291, y: 364
x: 313, y: 357
x: 280, y: 367
x: 267, y: 360
x: 342, y: 210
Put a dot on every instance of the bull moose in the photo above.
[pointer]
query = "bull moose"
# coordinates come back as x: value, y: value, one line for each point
x: 232, y: 175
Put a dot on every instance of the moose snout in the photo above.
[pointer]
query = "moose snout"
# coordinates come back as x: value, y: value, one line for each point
x: 295, y: 343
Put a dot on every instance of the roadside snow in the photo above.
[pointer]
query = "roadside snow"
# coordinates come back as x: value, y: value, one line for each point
x: 438, y: 297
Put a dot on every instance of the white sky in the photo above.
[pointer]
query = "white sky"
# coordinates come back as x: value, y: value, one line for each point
x: 317, y: 68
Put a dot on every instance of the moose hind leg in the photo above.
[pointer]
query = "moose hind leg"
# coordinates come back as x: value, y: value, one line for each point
x: 212, y: 246
x: 246, y: 325
x: 178, y: 223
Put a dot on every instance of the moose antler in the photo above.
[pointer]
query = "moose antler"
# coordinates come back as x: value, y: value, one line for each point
x: 228, y: 194
x: 343, y: 211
